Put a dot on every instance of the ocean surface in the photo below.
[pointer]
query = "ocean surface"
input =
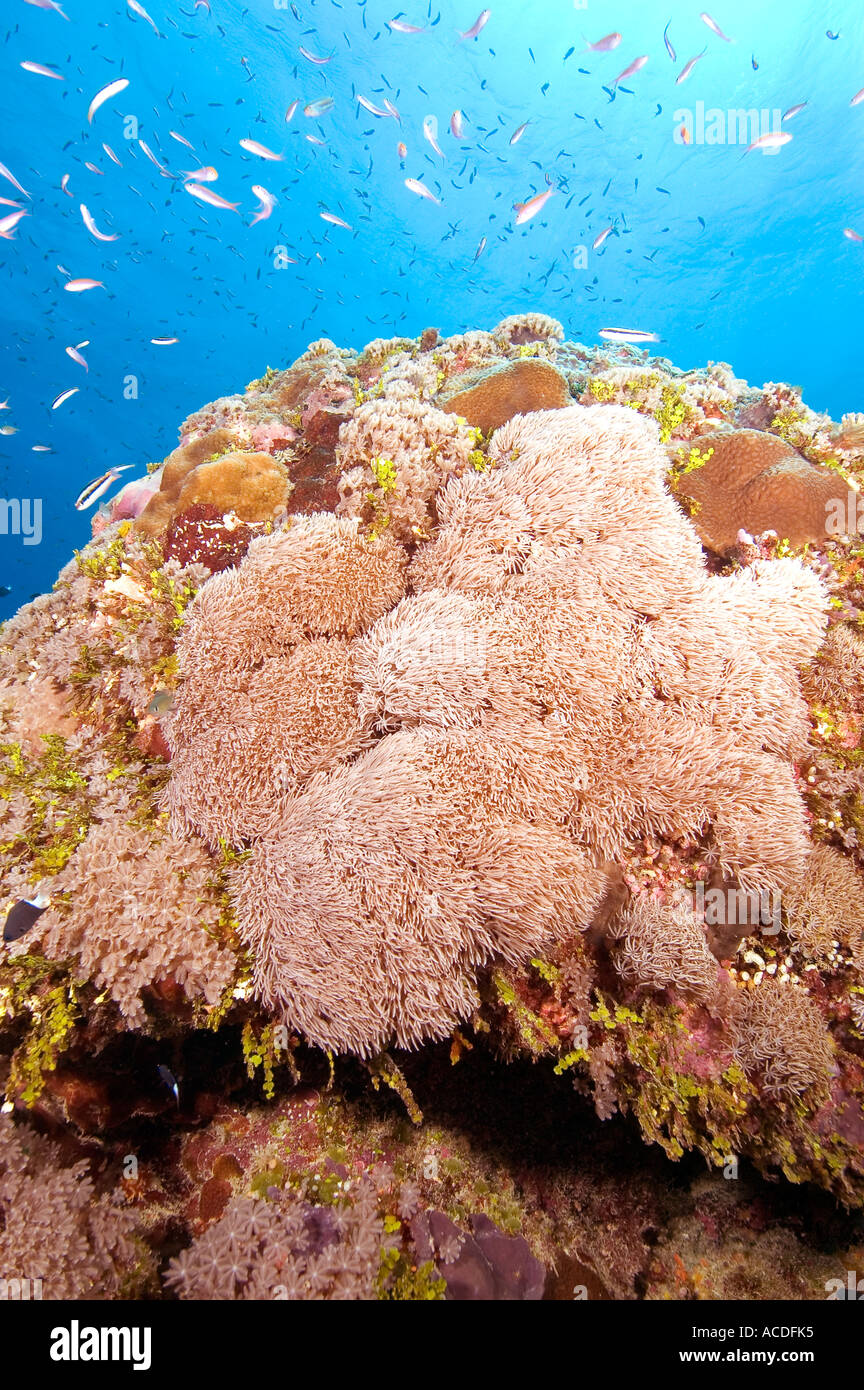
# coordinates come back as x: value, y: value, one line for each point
x: 750, y: 256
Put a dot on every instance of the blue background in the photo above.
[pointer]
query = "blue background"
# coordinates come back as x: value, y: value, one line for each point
x: 769, y: 283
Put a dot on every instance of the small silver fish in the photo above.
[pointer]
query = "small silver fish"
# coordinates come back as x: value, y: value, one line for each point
x: 99, y: 486
x: 688, y: 68
x: 161, y: 702
x: 714, y: 27
x: 627, y: 335
x: 170, y: 1081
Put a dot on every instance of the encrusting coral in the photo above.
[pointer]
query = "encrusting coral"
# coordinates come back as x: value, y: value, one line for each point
x: 447, y: 738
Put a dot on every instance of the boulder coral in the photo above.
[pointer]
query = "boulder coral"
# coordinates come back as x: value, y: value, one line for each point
x: 252, y: 485
x: 755, y: 482
x: 489, y: 397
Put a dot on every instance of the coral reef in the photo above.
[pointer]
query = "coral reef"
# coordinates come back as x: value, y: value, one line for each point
x: 444, y: 825
x: 467, y: 770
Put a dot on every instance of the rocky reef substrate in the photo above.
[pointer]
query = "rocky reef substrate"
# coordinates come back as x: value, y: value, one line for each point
x: 439, y: 784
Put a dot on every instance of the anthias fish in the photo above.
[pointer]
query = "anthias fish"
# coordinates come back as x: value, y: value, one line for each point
x: 421, y: 190
x: 771, y: 141
x: 253, y: 147
x: 480, y: 23
x: 525, y: 211
x: 104, y: 94
x: 606, y: 44
x: 634, y: 67
x: 42, y: 71
x: 715, y: 28
x: 206, y: 195
x: 87, y: 218
x: 688, y: 68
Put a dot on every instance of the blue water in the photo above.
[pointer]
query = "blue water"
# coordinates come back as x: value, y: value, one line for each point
x: 768, y: 283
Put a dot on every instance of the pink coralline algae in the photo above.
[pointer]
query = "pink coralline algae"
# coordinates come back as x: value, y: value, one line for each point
x: 128, y: 503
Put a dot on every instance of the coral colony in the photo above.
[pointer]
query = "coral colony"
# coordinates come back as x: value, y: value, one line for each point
x: 485, y: 707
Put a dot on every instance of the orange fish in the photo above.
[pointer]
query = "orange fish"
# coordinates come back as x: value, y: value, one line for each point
x: 525, y: 211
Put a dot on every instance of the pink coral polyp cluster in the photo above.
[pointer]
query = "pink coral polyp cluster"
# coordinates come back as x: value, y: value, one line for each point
x: 435, y: 780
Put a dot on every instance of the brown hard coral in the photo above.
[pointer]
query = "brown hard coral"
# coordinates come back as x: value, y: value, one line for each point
x: 490, y: 396
x: 754, y: 481
x: 176, y: 468
x: 254, y: 486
